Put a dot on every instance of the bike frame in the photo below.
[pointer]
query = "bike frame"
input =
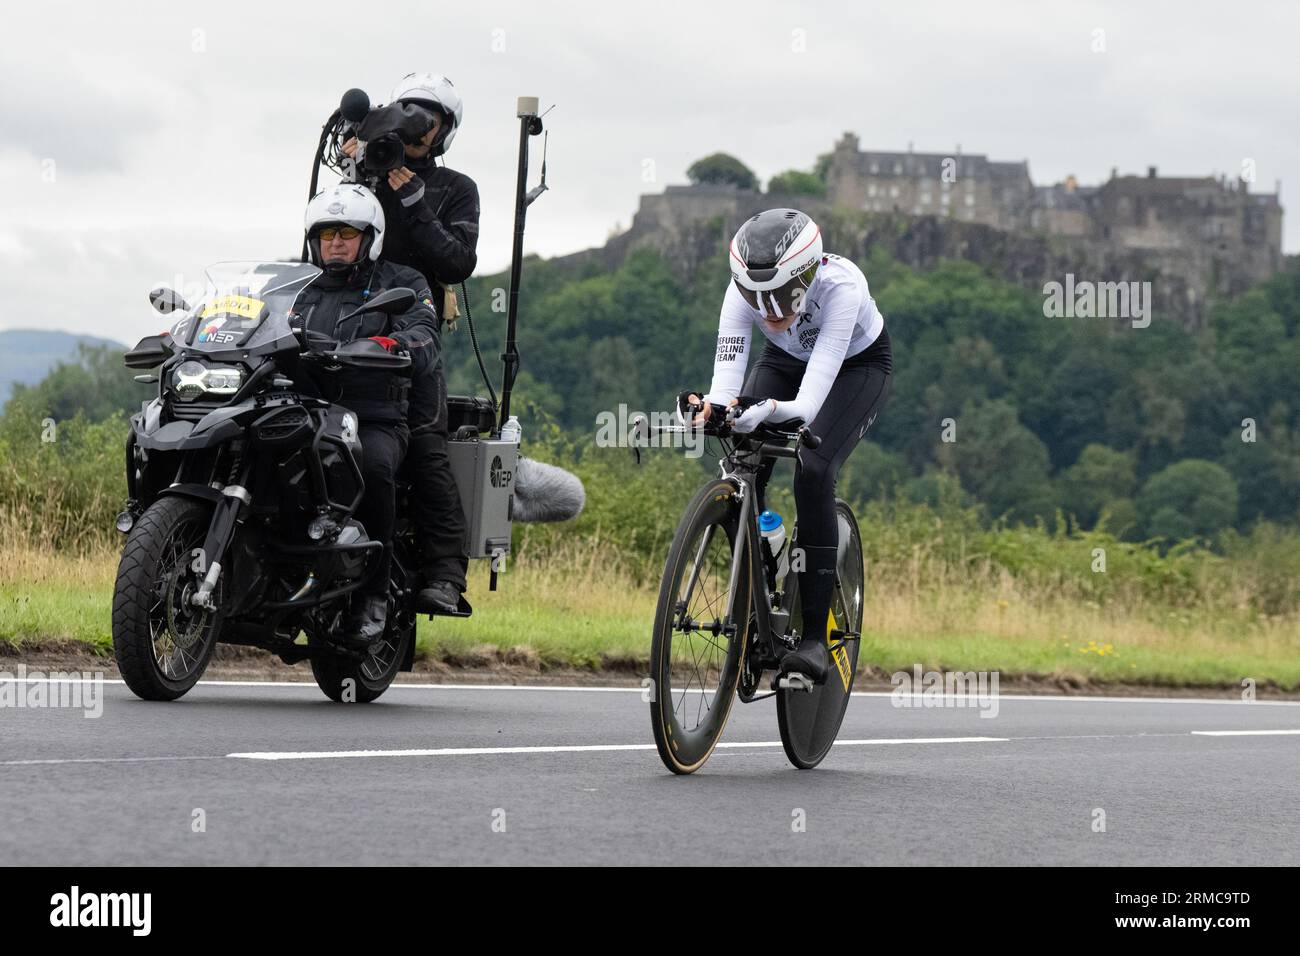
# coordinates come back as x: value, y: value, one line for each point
x: 740, y: 467
x: 771, y: 622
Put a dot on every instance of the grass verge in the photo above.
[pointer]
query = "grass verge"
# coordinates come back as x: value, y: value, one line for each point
x: 579, y: 608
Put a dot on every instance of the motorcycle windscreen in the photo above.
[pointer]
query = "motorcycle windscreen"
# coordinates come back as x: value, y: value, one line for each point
x: 246, y: 304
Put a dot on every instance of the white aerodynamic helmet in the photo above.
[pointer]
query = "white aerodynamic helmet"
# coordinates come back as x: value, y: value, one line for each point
x: 346, y: 204
x: 773, y: 257
x: 436, y: 91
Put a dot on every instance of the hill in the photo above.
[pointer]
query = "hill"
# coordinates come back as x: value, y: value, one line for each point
x: 27, y: 355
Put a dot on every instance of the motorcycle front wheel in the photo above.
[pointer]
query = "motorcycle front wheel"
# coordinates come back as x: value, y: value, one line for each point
x: 161, y: 641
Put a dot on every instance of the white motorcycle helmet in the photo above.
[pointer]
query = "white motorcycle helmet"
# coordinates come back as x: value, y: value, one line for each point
x: 433, y: 90
x: 346, y: 204
x: 773, y: 258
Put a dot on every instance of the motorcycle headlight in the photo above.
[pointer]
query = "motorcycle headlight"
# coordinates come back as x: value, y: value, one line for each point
x: 194, y: 379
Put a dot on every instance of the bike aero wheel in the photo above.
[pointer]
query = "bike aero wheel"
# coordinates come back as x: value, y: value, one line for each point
x: 810, y: 720
x: 696, y: 653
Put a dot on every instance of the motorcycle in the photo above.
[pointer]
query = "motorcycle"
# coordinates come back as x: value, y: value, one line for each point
x: 242, y: 485
x: 242, y: 479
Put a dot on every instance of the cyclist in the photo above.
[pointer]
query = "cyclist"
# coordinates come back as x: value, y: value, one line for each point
x: 826, y: 361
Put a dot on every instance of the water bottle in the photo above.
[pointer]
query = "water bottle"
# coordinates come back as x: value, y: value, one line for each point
x: 772, y: 529
x: 511, y: 431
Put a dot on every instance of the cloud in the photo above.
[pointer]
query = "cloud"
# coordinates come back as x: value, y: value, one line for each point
x: 184, y: 133
x: 65, y: 116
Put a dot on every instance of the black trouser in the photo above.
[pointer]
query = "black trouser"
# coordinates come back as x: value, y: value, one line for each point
x: 435, y: 507
x: 434, y: 501
x: 382, y: 446
x: 855, y: 398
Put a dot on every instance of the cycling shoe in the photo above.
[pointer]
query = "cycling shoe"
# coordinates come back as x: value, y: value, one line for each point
x: 810, y: 658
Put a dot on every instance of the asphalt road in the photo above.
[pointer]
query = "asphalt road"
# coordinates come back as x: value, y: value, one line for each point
x: 273, y: 774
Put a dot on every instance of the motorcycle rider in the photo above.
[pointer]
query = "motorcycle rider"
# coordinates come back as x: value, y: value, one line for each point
x: 826, y: 361
x: 345, y: 235
x: 433, y: 215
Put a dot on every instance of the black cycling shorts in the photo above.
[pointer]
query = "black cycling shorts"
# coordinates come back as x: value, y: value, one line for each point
x: 850, y: 408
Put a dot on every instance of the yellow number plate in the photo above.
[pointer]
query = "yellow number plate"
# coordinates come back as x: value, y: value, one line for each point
x: 241, y: 305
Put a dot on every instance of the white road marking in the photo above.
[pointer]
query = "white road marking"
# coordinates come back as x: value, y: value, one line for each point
x: 56, y: 760
x: 612, y: 748
x: 575, y: 748
x: 973, y: 700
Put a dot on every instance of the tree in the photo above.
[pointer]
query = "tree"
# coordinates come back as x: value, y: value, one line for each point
x: 95, y: 384
x: 938, y: 489
x: 1190, y: 497
x: 1267, y: 470
x: 1001, y: 462
x: 870, y: 471
x: 797, y: 183
x: 1101, y: 477
x: 722, y: 168
x: 822, y: 168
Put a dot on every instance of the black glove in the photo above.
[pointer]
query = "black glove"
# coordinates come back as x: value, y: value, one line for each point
x: 410, y: 193
x: 686, y: 413
x: 744, y: 401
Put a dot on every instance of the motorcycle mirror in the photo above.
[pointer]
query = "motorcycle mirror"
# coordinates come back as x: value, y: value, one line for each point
x: 390, y: 302
x: 167, y: 300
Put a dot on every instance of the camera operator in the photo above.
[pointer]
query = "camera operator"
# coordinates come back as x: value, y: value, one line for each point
x: 433, y: 215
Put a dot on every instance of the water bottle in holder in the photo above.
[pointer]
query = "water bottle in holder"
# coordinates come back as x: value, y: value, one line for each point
x: 772, y: 528
x: 511, y: 430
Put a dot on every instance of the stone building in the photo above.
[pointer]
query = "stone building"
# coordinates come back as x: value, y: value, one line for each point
x: 1200, y: 238
x: 969, y: 187
x: 1213, y: 219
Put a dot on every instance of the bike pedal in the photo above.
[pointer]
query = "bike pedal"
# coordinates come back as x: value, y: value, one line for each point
x: 795, y: 681
x: 840, y: 638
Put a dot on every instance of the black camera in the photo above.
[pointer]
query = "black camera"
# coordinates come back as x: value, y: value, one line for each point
x: 384, y: 131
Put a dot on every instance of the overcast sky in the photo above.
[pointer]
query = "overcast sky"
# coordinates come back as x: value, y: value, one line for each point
x: 139, y: 142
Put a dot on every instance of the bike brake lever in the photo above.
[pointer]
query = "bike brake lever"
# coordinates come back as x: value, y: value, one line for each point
x: 640, y: 431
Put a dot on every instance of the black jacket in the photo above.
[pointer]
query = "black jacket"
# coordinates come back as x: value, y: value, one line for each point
x: 374, y: 395
x: 434, y: 231
x: 432, y: 226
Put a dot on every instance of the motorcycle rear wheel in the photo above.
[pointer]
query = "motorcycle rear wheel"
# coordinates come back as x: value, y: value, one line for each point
x: 347, y: 680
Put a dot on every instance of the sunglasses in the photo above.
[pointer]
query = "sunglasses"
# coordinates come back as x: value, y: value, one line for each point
x: 783, y: 297
x: 343, y: 232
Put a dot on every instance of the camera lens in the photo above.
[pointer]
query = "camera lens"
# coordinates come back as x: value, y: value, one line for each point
x: 384, y: 153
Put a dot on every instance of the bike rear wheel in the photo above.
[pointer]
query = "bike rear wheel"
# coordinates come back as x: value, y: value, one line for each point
x: 697, y: 649
x: 810, y: 720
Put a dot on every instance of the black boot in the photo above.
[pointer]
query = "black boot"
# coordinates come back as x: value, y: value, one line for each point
x: 438, y: 596
x: 368, y: 620
x: 816, y: 587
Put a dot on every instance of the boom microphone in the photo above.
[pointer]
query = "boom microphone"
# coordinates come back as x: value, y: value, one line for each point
x: 546, y: 493
x: 355, y: 105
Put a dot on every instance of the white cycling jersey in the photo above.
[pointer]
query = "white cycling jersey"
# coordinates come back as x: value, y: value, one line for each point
x: 838, y: 318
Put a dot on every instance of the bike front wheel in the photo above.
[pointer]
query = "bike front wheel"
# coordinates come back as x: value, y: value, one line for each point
x: 697, y: 649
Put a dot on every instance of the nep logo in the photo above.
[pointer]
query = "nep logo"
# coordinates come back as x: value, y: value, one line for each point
x: 499, y: 476
x: 102, y: 909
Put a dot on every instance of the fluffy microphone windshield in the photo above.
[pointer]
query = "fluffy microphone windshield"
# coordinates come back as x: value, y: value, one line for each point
x: 546, y: 493
x: 354, y: 105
